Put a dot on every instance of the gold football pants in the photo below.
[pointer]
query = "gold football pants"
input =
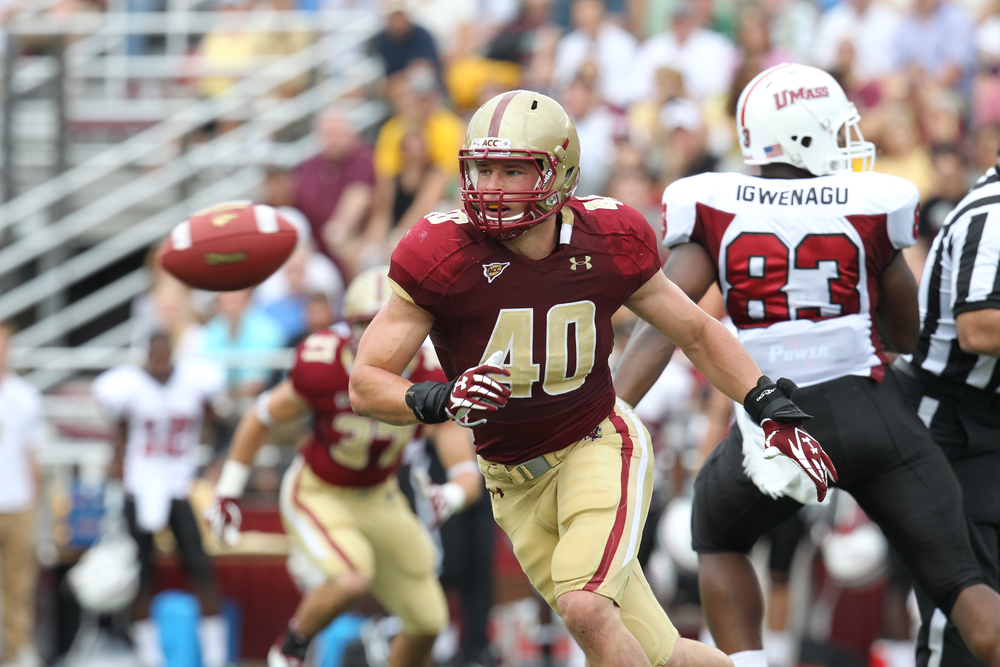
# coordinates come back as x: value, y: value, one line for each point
x: 577, y: 526
x: 353, y: 529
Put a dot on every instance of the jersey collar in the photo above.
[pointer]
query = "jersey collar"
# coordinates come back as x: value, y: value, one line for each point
x: 566, y: 219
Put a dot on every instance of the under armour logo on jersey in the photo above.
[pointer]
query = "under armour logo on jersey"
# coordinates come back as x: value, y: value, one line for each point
x: 491, y: 271
x: 585, y: 262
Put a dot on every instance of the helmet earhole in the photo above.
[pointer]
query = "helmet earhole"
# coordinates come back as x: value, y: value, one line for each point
x: 534, y: 104
x: 795, y: 138
x: 806, y: 141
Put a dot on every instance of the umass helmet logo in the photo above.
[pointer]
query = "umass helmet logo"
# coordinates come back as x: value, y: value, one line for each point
x: 786, y: 97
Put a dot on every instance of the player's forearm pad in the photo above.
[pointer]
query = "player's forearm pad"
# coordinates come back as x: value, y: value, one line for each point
x: 428, y: 401
x: 770, y: 401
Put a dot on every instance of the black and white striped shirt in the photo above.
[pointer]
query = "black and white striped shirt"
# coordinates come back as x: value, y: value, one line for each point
x: 962, y: 273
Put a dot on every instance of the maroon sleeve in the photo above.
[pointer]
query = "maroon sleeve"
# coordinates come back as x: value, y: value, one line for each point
x: 638, y: 256
x: 413, y: 269
x: 318, y: 373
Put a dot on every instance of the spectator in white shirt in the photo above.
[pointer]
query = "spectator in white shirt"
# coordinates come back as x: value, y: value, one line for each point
x: 21, y: 431
x: 793, y: 26
x: 595, y: 124
x: 596, y: 40
x: 703, y: 57
x: 867, y: 25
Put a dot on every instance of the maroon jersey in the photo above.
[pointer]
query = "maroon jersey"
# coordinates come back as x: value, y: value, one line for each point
x: 551, y: 317
x: 346, y: 449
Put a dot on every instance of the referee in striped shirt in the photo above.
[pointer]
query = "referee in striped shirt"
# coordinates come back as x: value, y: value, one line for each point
x: 953, y: 381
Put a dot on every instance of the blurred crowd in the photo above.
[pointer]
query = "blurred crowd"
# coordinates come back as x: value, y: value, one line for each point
x: 652, y: 86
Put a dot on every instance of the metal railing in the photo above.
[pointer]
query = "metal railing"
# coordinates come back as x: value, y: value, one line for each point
x: 335, y: 58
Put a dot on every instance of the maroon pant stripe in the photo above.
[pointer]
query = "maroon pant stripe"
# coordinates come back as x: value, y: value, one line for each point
x: 615, y: 538
x: 315, y: 519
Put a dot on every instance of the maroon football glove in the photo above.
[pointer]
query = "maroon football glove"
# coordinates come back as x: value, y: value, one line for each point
x: 476, y: 390
x: 770, y: 406
x: 791, y: 440
x: 224, y: 518
x: 435, y: 402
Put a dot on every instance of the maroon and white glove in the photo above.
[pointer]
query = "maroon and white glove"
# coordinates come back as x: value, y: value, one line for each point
x: 770, y: 405
x: 445, y: 499
x: 435, y: 402
x: 223, y: 515
x: 791, y: 440
x: 476, y: 390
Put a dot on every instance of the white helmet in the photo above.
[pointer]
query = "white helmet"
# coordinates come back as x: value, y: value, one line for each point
x: 366, y: 295
x: 661, y: 574
x: 106, y: 579
x: 855, y: 552
x: 799, y: 115
x: 674, y: 534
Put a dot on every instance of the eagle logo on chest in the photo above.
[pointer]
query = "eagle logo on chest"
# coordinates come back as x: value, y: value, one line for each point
x: 494, y: 269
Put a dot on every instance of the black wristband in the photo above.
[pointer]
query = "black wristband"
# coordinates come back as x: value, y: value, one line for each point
x: 428, y: 401
x: 770, y: 401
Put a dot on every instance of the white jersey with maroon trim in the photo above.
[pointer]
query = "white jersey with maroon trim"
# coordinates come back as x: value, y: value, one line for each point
x: 164, y: 425
x: 798, y: 261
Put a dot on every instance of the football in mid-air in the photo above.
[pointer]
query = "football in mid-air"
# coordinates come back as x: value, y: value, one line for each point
x: 228, y: 247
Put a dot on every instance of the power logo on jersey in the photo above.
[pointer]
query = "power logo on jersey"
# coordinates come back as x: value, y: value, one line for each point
x: 493, y: 271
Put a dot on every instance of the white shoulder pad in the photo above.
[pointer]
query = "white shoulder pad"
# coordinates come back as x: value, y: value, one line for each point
x: 899, y: 199
x: 204, y: 376
x: 680, y: 211
x: 113, y: 389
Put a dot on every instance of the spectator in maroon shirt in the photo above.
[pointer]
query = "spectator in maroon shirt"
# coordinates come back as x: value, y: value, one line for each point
x: 334, y: 189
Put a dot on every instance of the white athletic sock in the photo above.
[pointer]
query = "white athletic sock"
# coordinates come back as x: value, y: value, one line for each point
x: 748, y: 659
x: 213, y: 633
x: 148, y: 648
x: 778, y: 648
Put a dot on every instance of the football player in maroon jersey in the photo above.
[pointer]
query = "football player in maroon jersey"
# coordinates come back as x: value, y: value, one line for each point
x: 517, y: 292
x: 808, y: 259
x: 340, y: 502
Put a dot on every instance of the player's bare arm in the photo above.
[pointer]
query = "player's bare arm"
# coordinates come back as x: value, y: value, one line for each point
x: 281, y: 404
x: 648, y: 351
x: 377, y: 388
x: 119, y: 439
x: 706, y: 342
x: 457, y: 454
x: 979, y: 331
x: 458, y: 457
x: 897, y: 312
x: 725, y: 362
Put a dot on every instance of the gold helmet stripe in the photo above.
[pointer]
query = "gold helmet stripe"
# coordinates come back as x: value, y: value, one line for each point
x: 499, y: 111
